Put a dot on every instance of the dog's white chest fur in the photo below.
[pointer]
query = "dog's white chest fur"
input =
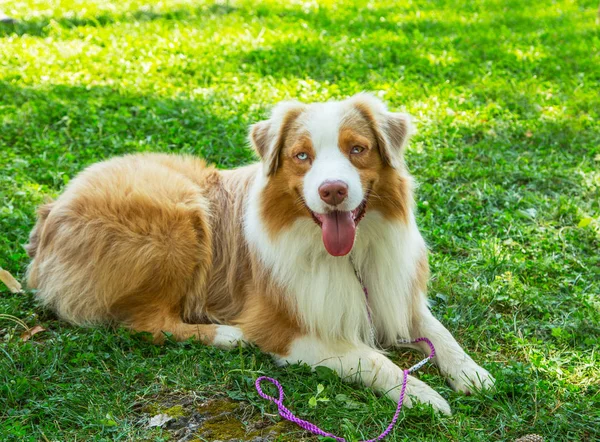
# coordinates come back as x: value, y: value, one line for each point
x: 324, y: 291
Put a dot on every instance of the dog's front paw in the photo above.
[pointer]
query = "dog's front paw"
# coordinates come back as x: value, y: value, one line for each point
x: 469, y: 377
x: 227, y: 336
x: 419, y: 391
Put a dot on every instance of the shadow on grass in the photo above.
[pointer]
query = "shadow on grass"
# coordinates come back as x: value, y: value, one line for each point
x: 63, y: 128
x: 40, y: 27
x: 429, y: 49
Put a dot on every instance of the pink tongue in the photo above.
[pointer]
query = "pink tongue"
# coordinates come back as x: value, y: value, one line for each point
x: 339, y: 231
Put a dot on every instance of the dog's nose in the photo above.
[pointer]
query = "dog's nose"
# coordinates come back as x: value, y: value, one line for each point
x: 333, y: 192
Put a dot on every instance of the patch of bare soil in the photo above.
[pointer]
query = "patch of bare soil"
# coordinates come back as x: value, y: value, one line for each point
x: 190, y: 418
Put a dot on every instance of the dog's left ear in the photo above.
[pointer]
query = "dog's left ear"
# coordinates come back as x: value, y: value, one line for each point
x: 392, y: 130
x: 268, y: 137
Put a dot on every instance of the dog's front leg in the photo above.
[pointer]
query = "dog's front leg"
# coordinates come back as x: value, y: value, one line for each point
x: 360, y: 363
x: 462, y: 373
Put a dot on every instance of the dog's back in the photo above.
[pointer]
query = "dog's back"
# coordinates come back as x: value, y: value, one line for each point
x: 122, y: 242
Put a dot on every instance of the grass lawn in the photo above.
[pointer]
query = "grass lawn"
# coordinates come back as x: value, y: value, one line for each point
x: 506, y: 94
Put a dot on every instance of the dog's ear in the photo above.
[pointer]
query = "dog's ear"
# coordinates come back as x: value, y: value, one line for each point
x: 268, y: 137
x: 392, y: 130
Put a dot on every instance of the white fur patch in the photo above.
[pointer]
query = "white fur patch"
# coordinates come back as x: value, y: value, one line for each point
x: 360, y: 363
x: 462, y: 372
x: 228, y: 336
x: 323, y: 123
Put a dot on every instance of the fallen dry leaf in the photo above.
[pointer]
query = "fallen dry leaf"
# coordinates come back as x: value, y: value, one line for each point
x: 26, y: 336
x: 159, y: 420
x: 10, y: 282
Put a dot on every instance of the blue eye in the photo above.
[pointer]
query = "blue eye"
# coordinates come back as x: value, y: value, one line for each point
x: 302, y: 156
x: 356, y: 149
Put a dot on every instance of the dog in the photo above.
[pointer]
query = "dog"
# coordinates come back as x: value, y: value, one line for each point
x: 272, y: 253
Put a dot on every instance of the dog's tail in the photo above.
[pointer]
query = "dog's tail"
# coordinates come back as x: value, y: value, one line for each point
x: 34, y: 237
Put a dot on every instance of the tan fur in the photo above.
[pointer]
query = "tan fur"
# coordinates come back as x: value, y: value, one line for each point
x: 391, y: 130
x: 231, y: 278
x: 269, y: 137
x: 269, y: 324
x: 34, y: 240
x: 390, y: 188
x: 124, y: 242
x: 282, y: 202
x: 392, y: 195
x: 151, y: 241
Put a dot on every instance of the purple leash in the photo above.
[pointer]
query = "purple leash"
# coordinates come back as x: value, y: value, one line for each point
x: 285, y: 413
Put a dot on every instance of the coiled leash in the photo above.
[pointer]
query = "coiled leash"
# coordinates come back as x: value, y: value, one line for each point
x: 285, y: 413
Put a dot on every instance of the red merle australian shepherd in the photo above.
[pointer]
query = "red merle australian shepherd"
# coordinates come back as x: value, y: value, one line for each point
x: 264, y: 254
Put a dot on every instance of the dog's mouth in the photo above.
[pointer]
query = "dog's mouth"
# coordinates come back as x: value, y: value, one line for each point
x: 339, y: 227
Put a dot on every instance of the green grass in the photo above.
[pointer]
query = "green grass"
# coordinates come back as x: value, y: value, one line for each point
x: 506, y: 94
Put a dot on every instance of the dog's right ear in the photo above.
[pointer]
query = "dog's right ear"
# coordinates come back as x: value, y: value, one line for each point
x: 268, y: 137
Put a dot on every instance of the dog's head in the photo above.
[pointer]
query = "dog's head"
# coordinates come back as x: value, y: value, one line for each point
x: 333, y: 162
